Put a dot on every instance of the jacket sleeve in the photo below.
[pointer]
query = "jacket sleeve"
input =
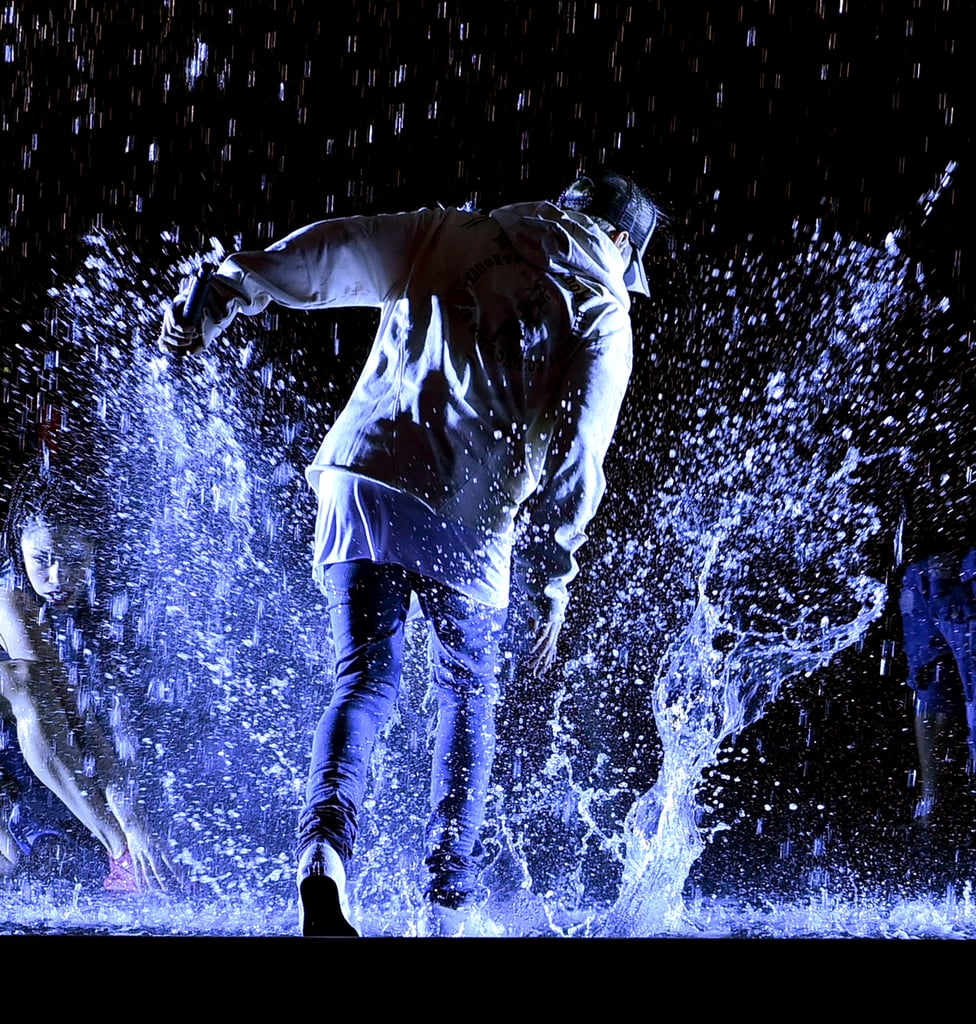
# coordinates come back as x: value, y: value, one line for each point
x: 350, y: 261
x: 573, y: 482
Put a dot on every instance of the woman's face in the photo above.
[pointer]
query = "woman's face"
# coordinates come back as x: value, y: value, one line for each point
x: 58, y: 560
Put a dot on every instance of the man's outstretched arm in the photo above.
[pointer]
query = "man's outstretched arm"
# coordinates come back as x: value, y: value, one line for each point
x: 349, y: 261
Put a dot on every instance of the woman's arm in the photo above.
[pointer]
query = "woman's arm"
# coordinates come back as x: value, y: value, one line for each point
x: 55, y: 742
x: 22, y: 634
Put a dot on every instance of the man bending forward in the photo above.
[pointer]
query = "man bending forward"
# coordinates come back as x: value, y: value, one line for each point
x: 497, y: 374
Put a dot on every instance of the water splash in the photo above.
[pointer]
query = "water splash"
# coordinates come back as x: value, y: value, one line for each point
x: 702, y: 697
x: 750, y: 551
x: 205, y: 641
x: 765, y: 526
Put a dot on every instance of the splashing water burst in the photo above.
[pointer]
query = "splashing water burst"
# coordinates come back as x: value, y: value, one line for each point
x: 745, y: 563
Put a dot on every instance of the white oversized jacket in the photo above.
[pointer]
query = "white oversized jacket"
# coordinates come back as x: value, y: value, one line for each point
x: 497, y: 373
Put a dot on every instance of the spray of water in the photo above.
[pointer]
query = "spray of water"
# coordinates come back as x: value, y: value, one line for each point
x: 206, y: 647
x: 740, y: 560
x: 767, y: 511
x: 701, y: 698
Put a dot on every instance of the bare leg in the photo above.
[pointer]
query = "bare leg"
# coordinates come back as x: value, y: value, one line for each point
x: 9, y: 851
x: 930, y: 737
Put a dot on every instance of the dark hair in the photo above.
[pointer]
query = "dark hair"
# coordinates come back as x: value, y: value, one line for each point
x: 43, y: 495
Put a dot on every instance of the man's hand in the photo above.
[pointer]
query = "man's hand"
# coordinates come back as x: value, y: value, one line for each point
x: 179, y: 336
x: 189, y: 323
x: 545, y: 635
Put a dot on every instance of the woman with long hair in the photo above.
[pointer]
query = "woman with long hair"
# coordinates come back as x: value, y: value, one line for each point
x: 46, y: 573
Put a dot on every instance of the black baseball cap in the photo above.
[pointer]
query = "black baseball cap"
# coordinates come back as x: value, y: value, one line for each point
x: 617, y: 199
